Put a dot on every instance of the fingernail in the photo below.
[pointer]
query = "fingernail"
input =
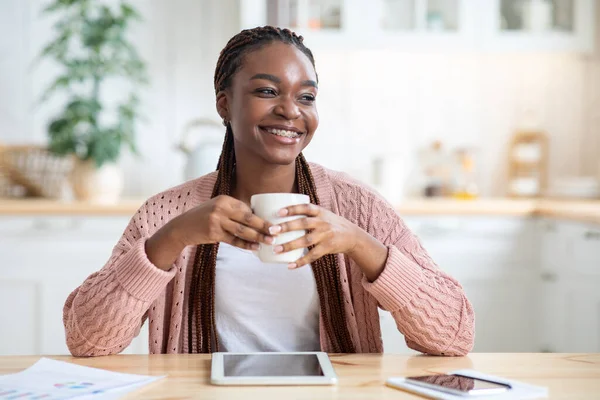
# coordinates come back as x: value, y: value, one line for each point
x: 274, y: 229
x: 269, y: 239
x: 283, y: 212
x: 277, y: 249
x: 255, y: 246
x: 291, y: 265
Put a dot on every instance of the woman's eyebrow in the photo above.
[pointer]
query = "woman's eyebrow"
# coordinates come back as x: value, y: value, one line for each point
x: 275, y: 79
x: 268, y: 77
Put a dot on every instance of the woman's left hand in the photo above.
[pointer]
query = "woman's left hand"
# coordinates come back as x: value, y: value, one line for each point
x: 327, y: 232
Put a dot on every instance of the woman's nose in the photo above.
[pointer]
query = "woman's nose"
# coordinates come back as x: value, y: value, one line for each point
x: 288, y: 109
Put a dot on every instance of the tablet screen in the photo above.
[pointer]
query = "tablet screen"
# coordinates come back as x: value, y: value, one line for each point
x: 271, y: 365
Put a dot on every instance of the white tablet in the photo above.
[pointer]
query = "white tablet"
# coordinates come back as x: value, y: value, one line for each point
x: 299, y: 368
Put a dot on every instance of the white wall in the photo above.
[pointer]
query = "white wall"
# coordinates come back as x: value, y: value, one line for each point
x: 370, y: 102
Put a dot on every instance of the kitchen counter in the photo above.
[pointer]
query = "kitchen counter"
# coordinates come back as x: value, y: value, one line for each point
x: 124, y: 207
x: 583, y: 211
x: 361, y: 376
x: 576, y: 210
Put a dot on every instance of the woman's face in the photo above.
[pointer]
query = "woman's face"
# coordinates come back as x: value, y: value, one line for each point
x: 271, y: 104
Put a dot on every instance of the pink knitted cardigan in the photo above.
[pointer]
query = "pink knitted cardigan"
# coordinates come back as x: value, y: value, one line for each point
x: 106, y: 312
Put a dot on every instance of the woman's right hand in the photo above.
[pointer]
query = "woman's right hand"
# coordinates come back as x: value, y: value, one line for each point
x: 220, y: 219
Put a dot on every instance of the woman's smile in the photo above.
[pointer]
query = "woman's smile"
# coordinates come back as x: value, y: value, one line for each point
x: 282, y: 134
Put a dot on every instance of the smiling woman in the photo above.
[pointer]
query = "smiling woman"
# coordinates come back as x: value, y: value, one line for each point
x: 185, y: 262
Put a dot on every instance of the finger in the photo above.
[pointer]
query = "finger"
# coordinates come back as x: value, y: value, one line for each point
x: 243, y: 214
x: 310, y: 210
x: 310, y: 239
x: 239, y: 242
x: 314, y: 254
x: 296, y: 225
x: 244, y: 232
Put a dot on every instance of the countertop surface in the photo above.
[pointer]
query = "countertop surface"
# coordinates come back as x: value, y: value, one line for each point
x: 577, y: 210
x: 361, y: 376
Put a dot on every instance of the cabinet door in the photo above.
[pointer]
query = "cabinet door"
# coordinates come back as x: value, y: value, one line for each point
x: 504, y: 315
x: 581, y: 324
x: 555, y: 246
x: 551, y: 317
x: 323, y: 23
x: 586, y: 250
x: 569, y: 319
x: 539, y: 25
x: 417, y: 25
x: 20, y: 315
x: 569, y: 311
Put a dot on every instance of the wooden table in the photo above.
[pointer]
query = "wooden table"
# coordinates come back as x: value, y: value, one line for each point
x: 568, y: 376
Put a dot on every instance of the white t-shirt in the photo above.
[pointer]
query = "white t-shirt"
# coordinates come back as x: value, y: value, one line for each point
x: 264, y: 307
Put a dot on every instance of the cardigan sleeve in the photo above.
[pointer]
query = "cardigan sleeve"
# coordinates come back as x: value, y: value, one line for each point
x: 106, y: 312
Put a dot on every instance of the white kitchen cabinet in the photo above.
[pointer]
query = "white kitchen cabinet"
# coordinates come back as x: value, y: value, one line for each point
x: 569, y: 306
x: 534, y: 283
x: 538, y: 25
x: 430, y: 25
x: 334, y: 24
x: 43, y: 260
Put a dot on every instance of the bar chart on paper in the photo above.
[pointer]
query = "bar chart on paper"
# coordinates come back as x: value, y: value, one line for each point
x: 56, y: 380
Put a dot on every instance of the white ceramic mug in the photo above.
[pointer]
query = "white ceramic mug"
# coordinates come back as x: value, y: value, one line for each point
x: 266, y: 206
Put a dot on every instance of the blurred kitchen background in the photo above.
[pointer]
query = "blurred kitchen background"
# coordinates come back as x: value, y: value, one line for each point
x: 479, y: 120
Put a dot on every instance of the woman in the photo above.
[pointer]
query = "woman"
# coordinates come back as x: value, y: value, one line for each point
x: 184, y: 262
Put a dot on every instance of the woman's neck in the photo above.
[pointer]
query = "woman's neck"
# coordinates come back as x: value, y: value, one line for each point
x: 255, y: 177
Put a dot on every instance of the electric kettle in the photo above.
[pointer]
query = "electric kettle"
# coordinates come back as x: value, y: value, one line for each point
x: 201, y: 142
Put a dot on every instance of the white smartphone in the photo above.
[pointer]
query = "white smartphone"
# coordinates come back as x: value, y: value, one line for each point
x: 458, y: 384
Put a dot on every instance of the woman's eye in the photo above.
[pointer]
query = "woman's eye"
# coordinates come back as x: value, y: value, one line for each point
x: 266, y: 91
x: 307, y: 97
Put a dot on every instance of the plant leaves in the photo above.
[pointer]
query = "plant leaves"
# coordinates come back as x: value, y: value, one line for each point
x: 62, y: 82
x: 104, y: 146
x: 128, y: 12
x: 103, y: 33
x: 62, y: 140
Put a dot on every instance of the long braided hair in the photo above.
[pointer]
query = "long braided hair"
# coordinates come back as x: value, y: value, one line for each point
x: 201, y: 315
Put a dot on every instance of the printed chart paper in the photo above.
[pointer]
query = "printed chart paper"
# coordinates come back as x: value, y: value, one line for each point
x: 56, y: 380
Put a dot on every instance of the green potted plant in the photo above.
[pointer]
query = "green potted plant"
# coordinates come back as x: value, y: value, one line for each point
x: 92, y: 48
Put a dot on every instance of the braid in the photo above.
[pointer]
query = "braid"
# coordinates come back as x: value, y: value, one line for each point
x: 327, y: 274
x: 201, y: 305
x: 201, y: 315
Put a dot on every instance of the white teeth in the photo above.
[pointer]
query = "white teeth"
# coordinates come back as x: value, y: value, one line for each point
x: 283, y: 132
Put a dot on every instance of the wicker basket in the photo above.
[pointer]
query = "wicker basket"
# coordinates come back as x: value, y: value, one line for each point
x: 33, y: 171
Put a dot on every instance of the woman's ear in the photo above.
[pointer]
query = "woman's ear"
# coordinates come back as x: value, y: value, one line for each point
x: 222, y: 105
